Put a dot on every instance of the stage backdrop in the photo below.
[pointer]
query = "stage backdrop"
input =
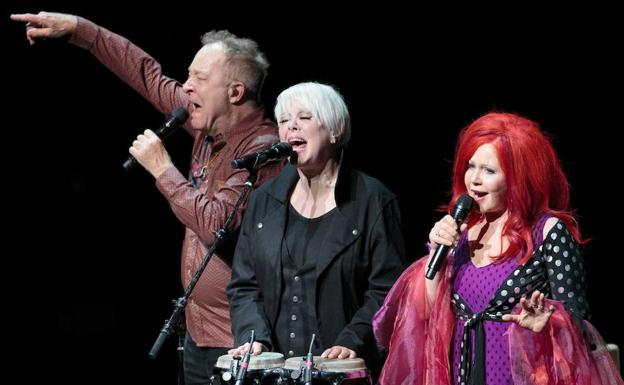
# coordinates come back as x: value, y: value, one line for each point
x: 95, y: 258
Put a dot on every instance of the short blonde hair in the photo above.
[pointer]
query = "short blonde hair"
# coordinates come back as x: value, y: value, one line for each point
x: 324, y: 102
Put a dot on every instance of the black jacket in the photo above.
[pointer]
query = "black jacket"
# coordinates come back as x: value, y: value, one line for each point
x: 355, y: 269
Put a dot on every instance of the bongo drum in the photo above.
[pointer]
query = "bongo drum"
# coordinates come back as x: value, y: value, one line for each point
x: 350, y: 371
x: 263, y: 369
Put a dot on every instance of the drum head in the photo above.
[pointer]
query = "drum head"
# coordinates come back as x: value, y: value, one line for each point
x: 328, y: 365
x: 266, y: 360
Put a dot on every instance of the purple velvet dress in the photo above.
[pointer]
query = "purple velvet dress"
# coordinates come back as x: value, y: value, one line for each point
x: 477, y: 286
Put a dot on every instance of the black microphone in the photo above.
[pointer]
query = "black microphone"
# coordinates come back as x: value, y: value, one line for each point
x: 460, y: 213
x: 240, y: 375
x: 173, y: 122
x: 279, y: 150
x: 309, y: 365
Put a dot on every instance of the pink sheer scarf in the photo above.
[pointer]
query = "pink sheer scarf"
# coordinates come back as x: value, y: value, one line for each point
x: 416, y: 334
x: 559, y: 354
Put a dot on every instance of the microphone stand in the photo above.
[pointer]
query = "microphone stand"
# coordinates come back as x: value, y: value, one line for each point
x: 219, y: 235
x: 180, y: 349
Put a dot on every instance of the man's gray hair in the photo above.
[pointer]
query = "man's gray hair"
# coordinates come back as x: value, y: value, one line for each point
x: 246, y: 63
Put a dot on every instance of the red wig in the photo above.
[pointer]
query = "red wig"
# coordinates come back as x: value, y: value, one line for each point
x: 536, y: 183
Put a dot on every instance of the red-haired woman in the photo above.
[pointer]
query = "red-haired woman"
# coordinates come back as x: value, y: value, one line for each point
x: 508, y: 306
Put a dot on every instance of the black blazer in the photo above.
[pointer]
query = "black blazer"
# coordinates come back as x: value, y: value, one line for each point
x: 355, y: 268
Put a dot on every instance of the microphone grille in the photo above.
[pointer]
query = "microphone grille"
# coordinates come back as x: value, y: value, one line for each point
x: 180, y: 114
x: 282, y: 148
x: 465, y: 201
x: 462, y: 207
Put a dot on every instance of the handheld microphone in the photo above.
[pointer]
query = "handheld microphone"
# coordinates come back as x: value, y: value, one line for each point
x: 460, y: 213
x: 279, y: 150
x: 309, y: 365
x: 240, y: 375
x: 173, y: 122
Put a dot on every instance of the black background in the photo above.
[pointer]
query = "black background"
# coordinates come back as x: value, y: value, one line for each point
x: 92, y: 253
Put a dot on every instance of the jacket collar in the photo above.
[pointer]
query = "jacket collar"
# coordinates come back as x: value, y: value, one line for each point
x: 286, y: 180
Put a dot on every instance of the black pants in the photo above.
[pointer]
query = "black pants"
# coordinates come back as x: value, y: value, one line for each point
x: 198, y: 362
